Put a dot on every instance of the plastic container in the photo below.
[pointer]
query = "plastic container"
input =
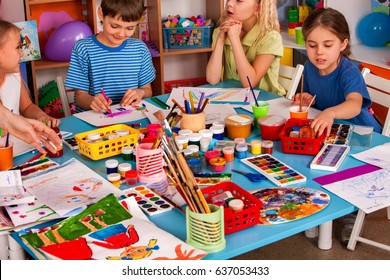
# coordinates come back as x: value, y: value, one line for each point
x: 193, y: 148
x: 248, y: 217
x: 255, y: 147
x: 241, y: 151
x: 205, y: 144
x: 150, y: 163
x: 115, y: 179
x: 111, y: 166
x: 131, y: 177
x: 194, y: 139
x: 217, y: 164
x: 238, y: 126
x: 267, y: 147
x: 128, y: 153
x: 182, y: 140
x: 153, y: 129
x: 211, y: 154
x: 194, y: 163
x: 293, y: 145
x: 228, y: 153
x: 238, y: 141
x: 123, y: 168
x: 236, y: 205
x: 107, y: 148
x: 270, y: 127
x: 186, y: 132
x: 218, y: 131
x: 187, y: 37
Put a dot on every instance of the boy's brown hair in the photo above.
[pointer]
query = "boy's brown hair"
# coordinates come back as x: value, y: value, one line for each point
x: 126, y: 10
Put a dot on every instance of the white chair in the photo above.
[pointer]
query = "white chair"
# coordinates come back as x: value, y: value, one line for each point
x: 379, y: 89
x: 289, y: 78
x: 63, y: 96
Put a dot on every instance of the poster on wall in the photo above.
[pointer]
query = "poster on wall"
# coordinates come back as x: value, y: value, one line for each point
x: 29, y: 40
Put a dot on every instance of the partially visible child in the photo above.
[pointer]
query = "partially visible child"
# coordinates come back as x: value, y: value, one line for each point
x: 111, y: 60
x: 248, y: 44
x: 14, y: 93
x: 337, y: 83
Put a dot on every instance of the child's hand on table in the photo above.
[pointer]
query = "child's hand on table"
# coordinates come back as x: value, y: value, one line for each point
x: 49, y: 121
x: 323, y: 122
x: 100, y: 103
x: 132, y: 96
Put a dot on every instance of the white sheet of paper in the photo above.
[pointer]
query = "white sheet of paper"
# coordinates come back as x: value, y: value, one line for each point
x: 378, y: 156
x: 369, y: 192
x: 281, y: 107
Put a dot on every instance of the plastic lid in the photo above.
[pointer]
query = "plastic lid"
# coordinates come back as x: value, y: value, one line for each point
x: 124, y: 167
x: 236, y: 204
x: 185, y: 132
x: 193, y: 148
x: 93, y: 136
x: 113, y: 136
x: 239, y: 140
x: 194, y: 137
x: 131, y: 174
x: 228, y: 150
x: 267, y: 144
x: 114, y: 177
x: 238, y: 120
x: 187, y: 151
x: 218, y: 123
x: 217, y: 129
x: 241, y: 147
x: 122, y: 132
x: 271, y: 120
x: 127, y: 150
x: 111, y: 163
x: 182, y: 139
x: 206, y: 133
x: 255, y: 143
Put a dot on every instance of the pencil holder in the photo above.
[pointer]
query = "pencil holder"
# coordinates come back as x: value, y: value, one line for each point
x: 206, y: 231
x: 149, y: 162
x: 195, y: 122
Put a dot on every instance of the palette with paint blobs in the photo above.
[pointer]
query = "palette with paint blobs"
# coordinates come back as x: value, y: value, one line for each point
x: 339, y: 134
x: 150, y: 202
x: 274, y: 170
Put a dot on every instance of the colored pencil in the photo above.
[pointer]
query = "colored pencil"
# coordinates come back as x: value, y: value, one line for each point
x: 202, y: 94
x: 160, y: 103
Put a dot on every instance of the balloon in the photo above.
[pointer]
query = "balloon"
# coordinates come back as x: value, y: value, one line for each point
x: 374, y: 30
x: 60, y: 43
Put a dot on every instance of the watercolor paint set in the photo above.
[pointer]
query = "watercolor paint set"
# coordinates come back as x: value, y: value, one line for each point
x: 149, y: 201
x: 339, y: 134
x: 330, y: 157
x: 274, y: 170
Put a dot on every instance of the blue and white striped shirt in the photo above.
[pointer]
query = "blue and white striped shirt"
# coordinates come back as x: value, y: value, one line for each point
x: 94, y: 66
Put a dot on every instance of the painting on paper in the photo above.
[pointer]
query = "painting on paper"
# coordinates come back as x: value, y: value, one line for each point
x: 109, y: 230
x: 29, y: 40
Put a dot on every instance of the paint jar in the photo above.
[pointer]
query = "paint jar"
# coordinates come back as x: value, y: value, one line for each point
x: 112, y: 136
x: 123, y: 168
x: 115, y: 179
x: 267, y: 147
x: 218, y: 132
x: 307, y: 132
x: 182, y: 140
x: 111, y: 166
x: 131, y: 177
x: 153, y: 129
x: 211, y: 154
x: 186, y: 152
x: 93, y: 137
x: 193, y: 148
x: 194, y: 139
x: 205, y: 144
x: 238, y: 141
x: 59, y: 150
x: 128, y: 153
x: 271, y: 126
x: 185, y: 132
x: 206, y: 133
x: 241, y: 151
x: 195, y: 122
x: 220, y: 199
x: 256, y: 147
x: 236, y: 205
x: 195, y: 163
x: 217, y: 164
x: 228, y: 153
x: 122, y: 132
x: 238, y: 126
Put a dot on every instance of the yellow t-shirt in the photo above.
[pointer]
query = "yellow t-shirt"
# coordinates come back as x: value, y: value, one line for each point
x: 271, y: 43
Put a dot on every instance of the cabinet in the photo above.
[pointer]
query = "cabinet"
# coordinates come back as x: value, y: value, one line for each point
x: 214, y: 10
x: 50, y: 14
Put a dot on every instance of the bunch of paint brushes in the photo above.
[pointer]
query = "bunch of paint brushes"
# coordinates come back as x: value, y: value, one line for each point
x: 177, y: 169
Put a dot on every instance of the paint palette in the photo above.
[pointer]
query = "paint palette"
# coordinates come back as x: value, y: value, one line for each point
x: 330, y: 157
x: 339, y: 134
x: 150, y: 202
x: 274, y: 170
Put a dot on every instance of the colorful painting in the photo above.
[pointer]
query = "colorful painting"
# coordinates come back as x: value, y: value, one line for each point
x: 107, y: 230
x: 281, y: 205
x: 70, y: 188
x: 29, y: 40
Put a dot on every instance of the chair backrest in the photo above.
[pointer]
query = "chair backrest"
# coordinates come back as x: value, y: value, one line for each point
x: 63, y: 96
x: 379, y: 89
x: 289, y: 78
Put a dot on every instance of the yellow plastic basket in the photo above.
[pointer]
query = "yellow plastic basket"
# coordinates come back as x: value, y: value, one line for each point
x: 106, y: 148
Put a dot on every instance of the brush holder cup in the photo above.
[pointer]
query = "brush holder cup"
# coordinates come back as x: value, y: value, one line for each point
x: 194, y: 122
x: 150, y: 163
x: 206, y: 231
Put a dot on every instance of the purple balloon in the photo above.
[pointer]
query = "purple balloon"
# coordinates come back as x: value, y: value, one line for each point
x: 60, y: 43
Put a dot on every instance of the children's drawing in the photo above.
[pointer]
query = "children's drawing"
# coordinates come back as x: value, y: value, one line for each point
x: 369, y: 192
x: 378, y: 156
x: 26, y: 213
x: 120, y: 114
x: 106, y: 230
x: 70, y: 187
x: 29, y: 40
x: 12, y: 190
x: 281, y: 205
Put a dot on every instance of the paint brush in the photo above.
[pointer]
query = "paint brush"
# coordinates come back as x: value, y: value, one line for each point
x: 253, y: 93
x: 311, y: 102
x: 169, y: 201
x: 159, y: 115
x: 300, y: 96
x: 178, y: 106
x: 204, y: 105
x: 105, y: 97
x: 7, y: 140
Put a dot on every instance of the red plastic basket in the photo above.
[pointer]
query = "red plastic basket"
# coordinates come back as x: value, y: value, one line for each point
x: 296, y: 145
x: 248, y: 217
x: 192, y: 82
